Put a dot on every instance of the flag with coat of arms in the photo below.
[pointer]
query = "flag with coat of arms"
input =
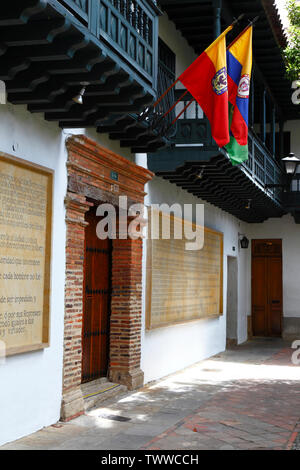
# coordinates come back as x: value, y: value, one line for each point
x: 239, y: 67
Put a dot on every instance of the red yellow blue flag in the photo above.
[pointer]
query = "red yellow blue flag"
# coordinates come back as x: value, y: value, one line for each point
x: 206, y: 80
x: 239, y: 67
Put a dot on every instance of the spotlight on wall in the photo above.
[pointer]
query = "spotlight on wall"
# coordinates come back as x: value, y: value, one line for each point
x: 248, y: 205
x: 244, y: 242
x: 79, y: 98
x: 200, y: 174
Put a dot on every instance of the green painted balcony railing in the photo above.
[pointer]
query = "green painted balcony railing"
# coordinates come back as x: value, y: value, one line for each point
x: 193, y: 129
x: 262, y: 167
x: 127, y: 27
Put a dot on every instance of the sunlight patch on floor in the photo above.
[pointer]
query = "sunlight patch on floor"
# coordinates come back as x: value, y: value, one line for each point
x: 231, y: 371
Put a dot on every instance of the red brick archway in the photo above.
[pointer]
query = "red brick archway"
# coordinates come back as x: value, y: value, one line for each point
x: 97, y: 174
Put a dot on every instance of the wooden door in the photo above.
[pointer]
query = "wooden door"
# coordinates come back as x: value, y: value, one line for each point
x: 267, y: 287
x: 96, y: 317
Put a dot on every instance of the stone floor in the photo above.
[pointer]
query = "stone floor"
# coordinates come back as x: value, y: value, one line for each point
x: 245, y: 398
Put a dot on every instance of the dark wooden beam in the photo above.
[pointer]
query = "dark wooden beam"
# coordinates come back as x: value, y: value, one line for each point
x: 263, y: 115
x: 281, y: 138
x: 273, y: 126
x: 217, y: 4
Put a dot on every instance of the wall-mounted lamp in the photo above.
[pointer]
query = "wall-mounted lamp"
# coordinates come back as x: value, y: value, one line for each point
x: 291, y: 164
x: 248, y: 205
x: 79, y: 98
x: 244, y: 242
x: 200, y: 174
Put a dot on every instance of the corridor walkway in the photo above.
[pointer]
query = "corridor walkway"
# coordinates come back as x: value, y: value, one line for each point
x: 245, y: 398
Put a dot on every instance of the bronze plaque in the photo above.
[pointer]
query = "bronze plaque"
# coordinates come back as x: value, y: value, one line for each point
x: 25, y: 244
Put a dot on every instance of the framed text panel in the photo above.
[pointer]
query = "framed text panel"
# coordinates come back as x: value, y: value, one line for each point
x: 183, y: 285
x: 25, y: 252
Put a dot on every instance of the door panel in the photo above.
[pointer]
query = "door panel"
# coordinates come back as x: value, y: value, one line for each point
x: 95, y: 340
x: 275, y: 295
x: 259, y: 304
x: 267, y: 287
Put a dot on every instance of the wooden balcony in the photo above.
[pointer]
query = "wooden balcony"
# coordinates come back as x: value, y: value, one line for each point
x: 52, y: 48
x: 127, y: 28
x: 196, y: 164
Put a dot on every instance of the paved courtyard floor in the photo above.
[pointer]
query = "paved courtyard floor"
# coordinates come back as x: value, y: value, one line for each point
x: 245, y: 398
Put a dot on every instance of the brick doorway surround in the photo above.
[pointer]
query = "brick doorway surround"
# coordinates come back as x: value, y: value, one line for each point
x: 90, y: 168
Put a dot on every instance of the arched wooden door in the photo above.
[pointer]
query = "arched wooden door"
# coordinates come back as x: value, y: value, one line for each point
x: 97, y: 298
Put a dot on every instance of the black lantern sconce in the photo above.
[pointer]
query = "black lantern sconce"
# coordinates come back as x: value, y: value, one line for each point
x: 244, y: 242
x: 290, y: 164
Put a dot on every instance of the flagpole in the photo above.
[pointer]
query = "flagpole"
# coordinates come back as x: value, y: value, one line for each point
x: 244, y: 30
x: 172, y: 107
x: 231, y: 44
x: 211, y: 45
x: 229, y: 28
x: 177, y: 117
x: 165, y: 93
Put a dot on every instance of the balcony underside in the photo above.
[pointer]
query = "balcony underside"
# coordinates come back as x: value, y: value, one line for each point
x: 291, y: 201
x: 46, y: 54
x: 221, y: 184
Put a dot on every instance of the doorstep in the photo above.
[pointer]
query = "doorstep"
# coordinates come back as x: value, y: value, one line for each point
x: 99, y: 390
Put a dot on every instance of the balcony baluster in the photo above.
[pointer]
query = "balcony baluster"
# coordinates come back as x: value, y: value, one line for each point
x: 128, y: 28
x: 261, y: 166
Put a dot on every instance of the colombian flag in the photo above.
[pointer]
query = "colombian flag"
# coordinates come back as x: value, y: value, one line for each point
x: 239, y: 66
x: 206, y: 80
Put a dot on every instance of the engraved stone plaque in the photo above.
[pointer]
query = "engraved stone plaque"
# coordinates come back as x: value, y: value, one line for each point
x: 25, y: 244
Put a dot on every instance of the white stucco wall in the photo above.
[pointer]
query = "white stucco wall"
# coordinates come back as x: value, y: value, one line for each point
x: 166, y: 350
x: 185, y: 54
x: 31, y: 383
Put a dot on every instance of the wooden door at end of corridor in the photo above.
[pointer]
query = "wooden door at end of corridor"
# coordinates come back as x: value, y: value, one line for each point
x: 97, y: 298
x: 267, y: 287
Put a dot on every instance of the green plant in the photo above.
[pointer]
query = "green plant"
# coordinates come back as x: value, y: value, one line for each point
x: 292, y: 51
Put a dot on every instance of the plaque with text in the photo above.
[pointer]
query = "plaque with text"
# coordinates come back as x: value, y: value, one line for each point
x: 25, y: 244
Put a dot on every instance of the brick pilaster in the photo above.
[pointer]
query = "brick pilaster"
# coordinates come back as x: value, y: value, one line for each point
x: 76, y: 207
x: 126, y: 313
